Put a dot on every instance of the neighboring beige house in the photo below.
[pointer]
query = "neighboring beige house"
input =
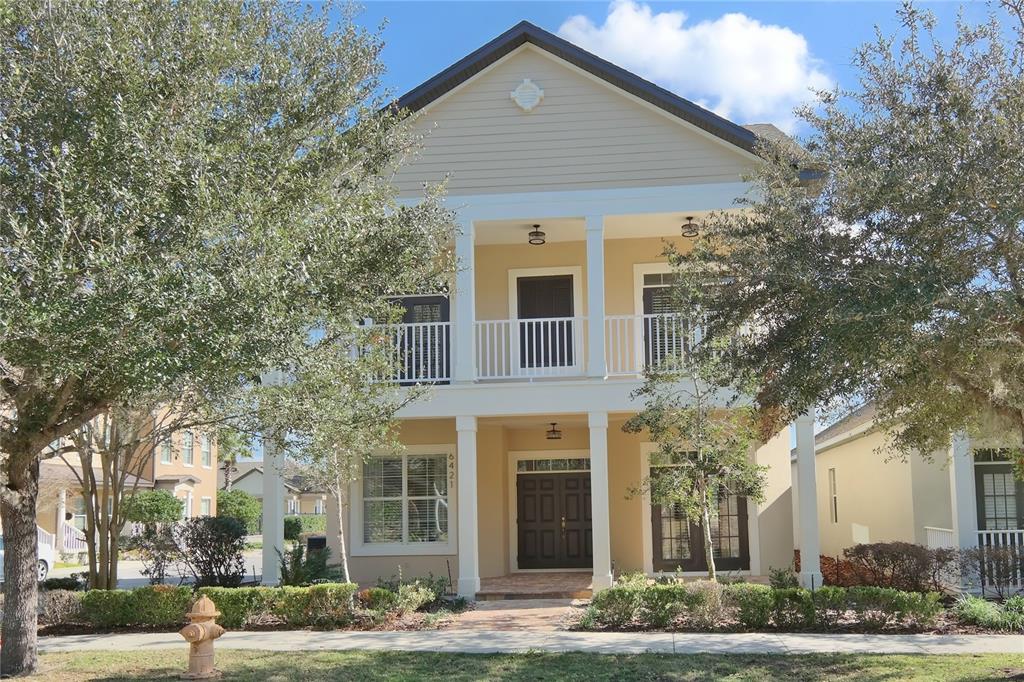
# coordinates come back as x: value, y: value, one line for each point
x: 963, y: 497
x: 185, y: 466
x: 299, y: 496
x: 567, y: 175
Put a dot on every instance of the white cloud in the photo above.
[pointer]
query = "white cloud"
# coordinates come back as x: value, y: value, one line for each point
x: 736, y: 66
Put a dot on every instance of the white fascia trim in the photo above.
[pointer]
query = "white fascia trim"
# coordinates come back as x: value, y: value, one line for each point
x: 846, y: 436
x: 469, y: 81
x: 578, y: 203
x: 449, y: 548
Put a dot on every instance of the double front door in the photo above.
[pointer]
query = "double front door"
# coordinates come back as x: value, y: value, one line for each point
x: 555, y: 529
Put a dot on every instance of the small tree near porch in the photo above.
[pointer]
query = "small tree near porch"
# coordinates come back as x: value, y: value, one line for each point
x: 703, y: 449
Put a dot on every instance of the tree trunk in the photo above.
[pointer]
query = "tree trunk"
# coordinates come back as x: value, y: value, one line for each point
x: 709, y: 550
x: 336, y: 494
x: 18, y: 655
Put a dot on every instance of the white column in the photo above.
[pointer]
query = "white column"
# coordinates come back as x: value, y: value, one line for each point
x: 464, y: 311
x: 595, y: 297
x: 469, y: 555
x: 962, y: 492
x: 599, y: 509
x: 62, y: 511
x: 810, y: 546
x: 273, y: 514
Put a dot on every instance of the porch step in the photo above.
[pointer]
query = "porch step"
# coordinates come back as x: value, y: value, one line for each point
x: 546, y: 594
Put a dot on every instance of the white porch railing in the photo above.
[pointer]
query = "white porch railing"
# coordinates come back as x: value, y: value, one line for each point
x: 939, y: 538
x: 73, y: 539
x: 526, y: 349
x: 420, y: 352
x: 1006, y: 563
x: 635, y: 342
x: 45, y: 538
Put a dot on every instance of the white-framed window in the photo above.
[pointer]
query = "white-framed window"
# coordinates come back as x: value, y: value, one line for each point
x: 165, y: 451
x: 833, y: 497
x: 78, y: 512
x: 205, y: 455
x: 403, y: 505
x: 187, y: 449
x: 186, y: 511
x: 318, y: 506
x: 293, y: 505
x: 205, y: 506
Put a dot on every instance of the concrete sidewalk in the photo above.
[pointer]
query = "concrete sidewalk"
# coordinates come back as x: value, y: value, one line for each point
x: 494, y: 641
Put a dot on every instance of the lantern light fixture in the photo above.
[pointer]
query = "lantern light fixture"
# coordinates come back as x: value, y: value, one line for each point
x: 689, y: 228
x: 554, y: 433
x: 537, y: 237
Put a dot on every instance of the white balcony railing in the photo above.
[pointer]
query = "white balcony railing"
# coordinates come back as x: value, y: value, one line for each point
x: 420, y: 352
x: 73, y: 539
x: 635, y: 342
x: 939, y: 538
x: 1002, y: 557
x: 526, y: 349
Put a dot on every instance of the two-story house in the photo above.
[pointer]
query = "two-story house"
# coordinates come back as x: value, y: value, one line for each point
x: 567, y: 175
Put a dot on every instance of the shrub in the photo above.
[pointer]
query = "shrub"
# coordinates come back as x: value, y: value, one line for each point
x: 899, y: 565
x: 299, y: 567
x: 438, y: 584
x: 58, y: 607
x: 992, y: 569
x: 378, y: 599
x: 108, y: 608
x: 782, y: 578
x: 211, y: 547
x: 160, y: 605
x: 152, y: 506
x: 71, y: 583
x: 297, y: 525
x: 157, y: 550
x: 241, y: 606
x: 1013, y: 613
x: 753, y: 603
x: 240, y: 505
x: 617, y: 606
x: 660, y: 605
x: 414, y: 596
x: 319, y: 605
x: 977, y: 611
x: 793, y: 608
x: 705, y: 606
x: 830, y: 604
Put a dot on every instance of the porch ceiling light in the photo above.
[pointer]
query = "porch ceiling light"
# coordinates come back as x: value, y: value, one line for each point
x: 554, y: 433
x: 536, y: 236
x: 689, y: 228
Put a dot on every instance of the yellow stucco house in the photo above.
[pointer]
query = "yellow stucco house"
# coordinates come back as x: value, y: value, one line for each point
x: 567, y: 175
x: 966, y: 496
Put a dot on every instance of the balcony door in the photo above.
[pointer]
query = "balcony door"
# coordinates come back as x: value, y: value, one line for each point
x: 545, y: 310
x: 665, y: 331
x: 424, y: 340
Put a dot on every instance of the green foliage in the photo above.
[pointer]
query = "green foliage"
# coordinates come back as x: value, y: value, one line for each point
x: 152, y: 506
x: 435, y: 583
x: 155, y: 606
x: 325, y: 605
x: 297, y: 525
x: 783, y: 577
x: 211, y: 547
x: 703, y: 451
x: 616, y: 607
x: 241, y: 606
x: 238, y: 504
x: 71, y: 583
x: 301, y: 568
x: 894, y: 276
x: 414, y: 596
x: 793, y: 609
x: 378, y: 599
x: 754, y: 604
x: 991, y: 615
x: 661, y: 605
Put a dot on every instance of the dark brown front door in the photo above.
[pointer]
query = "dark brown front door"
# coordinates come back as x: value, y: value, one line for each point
x: 545, y: 311
x: 555, y: 526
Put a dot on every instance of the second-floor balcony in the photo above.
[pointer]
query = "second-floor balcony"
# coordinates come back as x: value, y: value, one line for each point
x: 538, y: 348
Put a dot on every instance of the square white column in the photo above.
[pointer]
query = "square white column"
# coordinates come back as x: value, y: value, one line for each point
x: 463, y: 341
x: 596, y: 364
x: 810, y: 543
x: 469, y: 552
x: 962, y: 492
x: 599, y: 507
x: 273, y: 515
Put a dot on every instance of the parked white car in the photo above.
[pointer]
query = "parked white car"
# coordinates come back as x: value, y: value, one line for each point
x: 47, y: 554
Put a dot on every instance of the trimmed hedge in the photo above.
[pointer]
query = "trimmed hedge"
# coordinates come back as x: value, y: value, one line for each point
x: 704, y: 605
x: 155, y: 606
x: 297, y: 525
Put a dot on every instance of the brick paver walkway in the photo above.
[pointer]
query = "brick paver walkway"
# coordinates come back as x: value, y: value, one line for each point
x: 536, y: 615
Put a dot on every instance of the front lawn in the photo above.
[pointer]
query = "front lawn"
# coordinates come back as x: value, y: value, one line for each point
x: 369, y: 666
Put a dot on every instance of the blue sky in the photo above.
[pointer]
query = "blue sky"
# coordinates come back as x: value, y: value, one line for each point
x: 752, y: 66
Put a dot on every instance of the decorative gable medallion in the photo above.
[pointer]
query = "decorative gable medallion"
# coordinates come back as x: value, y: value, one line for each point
x: 527, y: 95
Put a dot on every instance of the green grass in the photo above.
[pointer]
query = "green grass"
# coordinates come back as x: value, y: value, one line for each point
x: 407, y: 667
x: 65, y: 564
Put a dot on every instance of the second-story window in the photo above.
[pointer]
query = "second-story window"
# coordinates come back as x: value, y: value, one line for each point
x: 165, y: 451
x: 204, y: 451
x: 187, y: 455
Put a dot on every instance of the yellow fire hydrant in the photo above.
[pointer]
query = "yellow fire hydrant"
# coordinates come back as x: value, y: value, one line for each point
x: 200, y: 633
